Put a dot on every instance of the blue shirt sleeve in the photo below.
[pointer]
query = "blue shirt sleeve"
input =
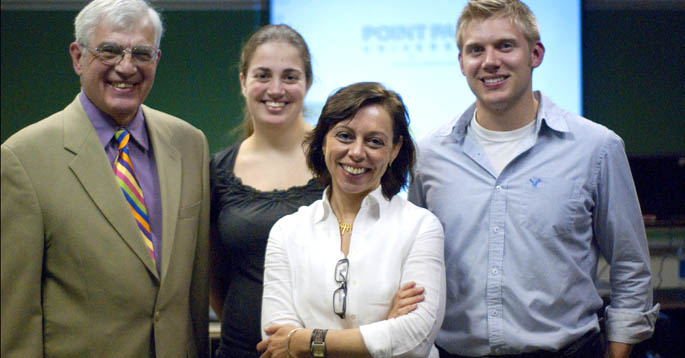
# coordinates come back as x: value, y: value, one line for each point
x: 620, y: 232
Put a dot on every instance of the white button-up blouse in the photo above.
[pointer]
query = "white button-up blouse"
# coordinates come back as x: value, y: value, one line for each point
x: 393, y: 242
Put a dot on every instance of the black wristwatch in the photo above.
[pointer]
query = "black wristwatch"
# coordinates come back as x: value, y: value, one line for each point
x: 317, y: 345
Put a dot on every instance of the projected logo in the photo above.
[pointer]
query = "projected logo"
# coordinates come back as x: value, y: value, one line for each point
x: 411, y: 44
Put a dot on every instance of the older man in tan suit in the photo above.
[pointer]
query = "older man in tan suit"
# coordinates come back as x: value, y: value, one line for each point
x: 105, y: 209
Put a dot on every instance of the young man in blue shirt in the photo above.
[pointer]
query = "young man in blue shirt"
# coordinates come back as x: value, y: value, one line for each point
x: 530, y: 196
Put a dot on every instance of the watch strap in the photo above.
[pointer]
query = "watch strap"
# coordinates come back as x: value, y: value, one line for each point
x: 317, y: 344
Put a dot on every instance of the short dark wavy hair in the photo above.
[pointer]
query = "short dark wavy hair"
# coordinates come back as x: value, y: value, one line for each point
x: 343, y: 105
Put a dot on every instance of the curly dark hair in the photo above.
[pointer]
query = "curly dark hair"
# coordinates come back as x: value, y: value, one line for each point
x: 344, y: 104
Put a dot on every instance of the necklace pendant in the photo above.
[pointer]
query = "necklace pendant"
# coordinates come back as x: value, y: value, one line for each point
x: 344, y: 228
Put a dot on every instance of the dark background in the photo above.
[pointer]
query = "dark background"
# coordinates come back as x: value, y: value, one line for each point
x: 633, y: 73
x: 633, y: 82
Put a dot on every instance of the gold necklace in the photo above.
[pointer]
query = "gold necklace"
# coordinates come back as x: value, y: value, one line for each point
x: 344, y: 228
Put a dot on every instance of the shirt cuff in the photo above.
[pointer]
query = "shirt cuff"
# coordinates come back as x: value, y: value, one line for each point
x: 630, y: 327
x: 377, y: 338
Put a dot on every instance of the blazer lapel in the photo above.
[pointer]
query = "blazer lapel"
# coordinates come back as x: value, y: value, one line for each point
x: 91, y: 166
x: 169, y: 167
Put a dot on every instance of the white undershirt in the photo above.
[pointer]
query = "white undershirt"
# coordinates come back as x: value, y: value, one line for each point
x: 501, y: 147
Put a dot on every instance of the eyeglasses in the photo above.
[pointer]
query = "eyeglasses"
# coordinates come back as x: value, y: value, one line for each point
x: 340, y: 294
x: 112, y: 54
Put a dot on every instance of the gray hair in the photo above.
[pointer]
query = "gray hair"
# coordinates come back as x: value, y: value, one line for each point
x: 121, y: 14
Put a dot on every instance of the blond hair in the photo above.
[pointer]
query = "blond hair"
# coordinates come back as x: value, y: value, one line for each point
x: 515, y: 10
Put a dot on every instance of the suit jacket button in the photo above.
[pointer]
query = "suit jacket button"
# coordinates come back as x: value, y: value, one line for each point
x: 157, y: 316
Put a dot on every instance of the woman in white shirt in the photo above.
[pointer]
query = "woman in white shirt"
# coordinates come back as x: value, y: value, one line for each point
x: 332, y: 268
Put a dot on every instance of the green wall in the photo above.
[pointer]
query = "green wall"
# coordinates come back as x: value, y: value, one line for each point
x: 197, y: 78
x: 633, y: 73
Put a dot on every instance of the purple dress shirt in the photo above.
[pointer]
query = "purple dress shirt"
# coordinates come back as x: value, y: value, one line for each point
x: 143, y: 159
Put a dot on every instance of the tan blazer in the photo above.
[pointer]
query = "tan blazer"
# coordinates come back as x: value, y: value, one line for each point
x: 77, y: 280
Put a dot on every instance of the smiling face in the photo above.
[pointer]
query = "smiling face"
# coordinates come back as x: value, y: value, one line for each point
x: 275, y: 84
x: 497, y: 61
x: 118, y: 89
x: 357, y: 151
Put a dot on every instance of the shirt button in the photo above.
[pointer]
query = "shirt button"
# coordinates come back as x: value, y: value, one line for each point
x: 498, y: 188
x: 353, y: 317
x: 493, y: 313
x: 495, y: 229
x: 495, y: 271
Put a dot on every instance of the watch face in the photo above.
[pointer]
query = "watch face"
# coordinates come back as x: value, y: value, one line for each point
x: 318, y: 350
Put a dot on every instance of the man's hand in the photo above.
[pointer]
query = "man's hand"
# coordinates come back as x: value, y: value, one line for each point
x: 619, y: 350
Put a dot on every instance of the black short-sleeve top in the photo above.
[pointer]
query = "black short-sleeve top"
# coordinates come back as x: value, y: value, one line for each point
x: 243, y: 217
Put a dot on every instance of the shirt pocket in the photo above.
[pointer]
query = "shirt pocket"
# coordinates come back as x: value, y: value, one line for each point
x: 550, y: 205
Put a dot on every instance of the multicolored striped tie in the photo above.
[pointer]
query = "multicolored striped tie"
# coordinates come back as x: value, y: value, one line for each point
x: 126, y: 177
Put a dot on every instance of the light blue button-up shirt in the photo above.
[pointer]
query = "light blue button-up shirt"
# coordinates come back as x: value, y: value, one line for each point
x: 521, y: 247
